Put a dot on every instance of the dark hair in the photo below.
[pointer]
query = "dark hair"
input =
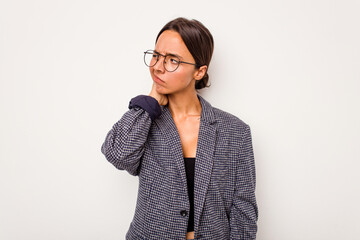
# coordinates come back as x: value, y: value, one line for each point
x: 197, y: 39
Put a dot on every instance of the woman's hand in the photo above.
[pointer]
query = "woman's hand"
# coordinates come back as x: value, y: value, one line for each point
x: 161, y: 98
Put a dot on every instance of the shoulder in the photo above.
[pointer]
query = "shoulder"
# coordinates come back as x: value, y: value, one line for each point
x: 228, y: 120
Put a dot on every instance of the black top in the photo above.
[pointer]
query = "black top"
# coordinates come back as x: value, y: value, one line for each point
x: 190, y: 172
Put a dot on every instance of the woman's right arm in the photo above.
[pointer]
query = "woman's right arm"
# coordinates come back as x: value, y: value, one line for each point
x: 124, y: 144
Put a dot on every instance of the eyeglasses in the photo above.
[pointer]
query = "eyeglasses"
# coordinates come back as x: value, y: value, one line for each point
x: 171, y: 61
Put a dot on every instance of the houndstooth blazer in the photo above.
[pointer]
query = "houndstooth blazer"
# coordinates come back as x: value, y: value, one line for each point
x: 224, y: 193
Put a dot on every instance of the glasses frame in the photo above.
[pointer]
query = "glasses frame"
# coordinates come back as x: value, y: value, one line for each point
x: 166, y: 55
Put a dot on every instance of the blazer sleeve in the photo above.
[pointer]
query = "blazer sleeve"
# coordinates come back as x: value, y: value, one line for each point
x: 244, y: 211
x: 124, y: 144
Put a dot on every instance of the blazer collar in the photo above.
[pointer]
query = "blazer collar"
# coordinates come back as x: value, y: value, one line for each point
x: 207, y: 113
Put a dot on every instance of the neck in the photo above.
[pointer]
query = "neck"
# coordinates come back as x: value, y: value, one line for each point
x: 183, y: 105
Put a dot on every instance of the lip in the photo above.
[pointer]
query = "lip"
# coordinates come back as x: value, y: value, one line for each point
x: 158, y: 80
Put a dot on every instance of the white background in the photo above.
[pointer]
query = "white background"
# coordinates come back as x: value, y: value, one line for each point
x: 290, y: 69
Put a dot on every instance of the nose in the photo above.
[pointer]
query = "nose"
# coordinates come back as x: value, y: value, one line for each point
x: 159, y: 65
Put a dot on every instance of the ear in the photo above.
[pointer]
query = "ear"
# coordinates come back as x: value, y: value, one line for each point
x: 199, y: 73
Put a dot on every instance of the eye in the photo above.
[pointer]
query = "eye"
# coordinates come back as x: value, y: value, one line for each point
x: 174, y: 60
x: 154, y: 55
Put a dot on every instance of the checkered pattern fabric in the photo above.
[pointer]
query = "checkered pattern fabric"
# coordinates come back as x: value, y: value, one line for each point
x: 224, y: 193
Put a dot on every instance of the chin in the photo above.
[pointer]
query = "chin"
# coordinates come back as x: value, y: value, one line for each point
x: 162, y: 90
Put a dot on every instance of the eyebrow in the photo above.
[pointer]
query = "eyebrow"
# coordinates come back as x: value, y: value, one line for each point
x: 167, y: 53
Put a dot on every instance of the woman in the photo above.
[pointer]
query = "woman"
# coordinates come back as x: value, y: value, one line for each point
x: 195, y: 163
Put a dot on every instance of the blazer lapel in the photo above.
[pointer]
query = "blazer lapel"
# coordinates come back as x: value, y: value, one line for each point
x: 204, y: 158
x: 168, y: 129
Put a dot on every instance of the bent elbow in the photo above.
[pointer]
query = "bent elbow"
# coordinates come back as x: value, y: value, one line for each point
x: 120, y: 160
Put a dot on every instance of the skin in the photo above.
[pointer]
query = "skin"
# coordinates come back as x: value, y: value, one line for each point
x: 177, y: 89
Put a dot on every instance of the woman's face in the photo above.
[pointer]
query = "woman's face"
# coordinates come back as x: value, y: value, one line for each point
x: 183, y: 79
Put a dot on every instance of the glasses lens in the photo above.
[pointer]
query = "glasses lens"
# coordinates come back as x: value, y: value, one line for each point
x: 150, y: 58
x: 171, y: 63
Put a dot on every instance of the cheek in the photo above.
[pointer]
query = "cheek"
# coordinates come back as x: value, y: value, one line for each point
x: 182, y: 77
x: 179, y: 78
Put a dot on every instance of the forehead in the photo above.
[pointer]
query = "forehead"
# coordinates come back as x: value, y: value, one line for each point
x: 170, y: 42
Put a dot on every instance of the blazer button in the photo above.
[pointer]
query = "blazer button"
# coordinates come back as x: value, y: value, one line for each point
x: 183, y: 213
